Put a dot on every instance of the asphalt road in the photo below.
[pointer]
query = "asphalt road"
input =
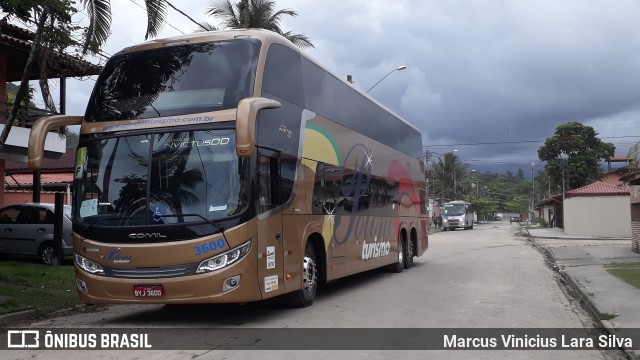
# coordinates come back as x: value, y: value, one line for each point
x: 488, y: 277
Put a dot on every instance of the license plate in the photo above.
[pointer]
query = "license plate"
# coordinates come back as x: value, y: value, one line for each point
x: 147, y: 291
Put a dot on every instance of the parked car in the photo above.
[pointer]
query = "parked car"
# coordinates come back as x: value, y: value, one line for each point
x: 27, y: 229
x: 514, y: 219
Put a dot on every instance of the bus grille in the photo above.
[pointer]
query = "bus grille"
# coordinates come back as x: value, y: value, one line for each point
x: 152, y: 272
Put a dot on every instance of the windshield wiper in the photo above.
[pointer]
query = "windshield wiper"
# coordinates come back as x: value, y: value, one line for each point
x: 216, y: 225
x: 86, y: 230
x: 219, y: 227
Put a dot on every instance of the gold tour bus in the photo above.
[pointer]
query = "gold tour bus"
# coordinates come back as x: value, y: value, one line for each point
x: 227, y: 167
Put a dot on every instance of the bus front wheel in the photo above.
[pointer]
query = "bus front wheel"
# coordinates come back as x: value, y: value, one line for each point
x: 305, y: 296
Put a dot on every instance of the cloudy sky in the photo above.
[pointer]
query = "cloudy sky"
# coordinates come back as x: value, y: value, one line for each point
x: 489, y: 78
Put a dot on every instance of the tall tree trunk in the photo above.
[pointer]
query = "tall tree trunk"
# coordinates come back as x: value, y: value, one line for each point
x: 24, y: 84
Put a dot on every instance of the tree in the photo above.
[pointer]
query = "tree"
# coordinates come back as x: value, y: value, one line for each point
x: 257, y: 14
x: 449, y: 172
x: 54, y: 34
x: 486, y: 208
x: 518, y: 204
x: 574, y: 153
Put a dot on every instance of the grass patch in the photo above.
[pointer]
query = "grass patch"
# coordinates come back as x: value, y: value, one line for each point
x: 26, y: 285
x: 628, y: 272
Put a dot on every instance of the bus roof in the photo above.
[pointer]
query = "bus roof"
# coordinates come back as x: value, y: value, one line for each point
x: 265, y: 36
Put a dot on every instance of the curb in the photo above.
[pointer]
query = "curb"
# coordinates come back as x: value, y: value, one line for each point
x: 8, y: 319
x: 600, y: 318
x: 12, y: 318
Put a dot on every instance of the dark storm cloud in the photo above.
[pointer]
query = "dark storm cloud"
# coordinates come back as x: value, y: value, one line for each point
x: 487, y: 71
x: 478, y: 71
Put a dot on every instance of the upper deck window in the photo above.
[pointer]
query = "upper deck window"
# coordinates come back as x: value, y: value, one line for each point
x: 175, y: 80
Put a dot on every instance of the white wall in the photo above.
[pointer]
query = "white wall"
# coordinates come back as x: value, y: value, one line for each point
x: 545, y: 213
x: 605, y: 216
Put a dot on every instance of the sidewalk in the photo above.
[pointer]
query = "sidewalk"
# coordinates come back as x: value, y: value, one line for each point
x: 581, y: 262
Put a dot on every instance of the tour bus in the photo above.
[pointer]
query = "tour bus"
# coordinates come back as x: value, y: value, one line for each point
x: 457, y: 214
x: 228, y: 167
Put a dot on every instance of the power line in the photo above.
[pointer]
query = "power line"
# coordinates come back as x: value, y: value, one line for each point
x: 185, y: 15
x: 520, y: 142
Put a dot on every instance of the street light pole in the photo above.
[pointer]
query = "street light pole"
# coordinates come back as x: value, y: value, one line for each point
x: 477, y: 184
x: 399, y: 68
x: 455, y: 185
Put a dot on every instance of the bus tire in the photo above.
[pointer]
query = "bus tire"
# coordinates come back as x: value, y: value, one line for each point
x: 305, y: 296
x: 398, y: 266
x: 408, y: 254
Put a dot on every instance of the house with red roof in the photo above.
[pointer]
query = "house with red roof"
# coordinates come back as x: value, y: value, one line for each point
x: 598, y: 209
x: 56, y: 175
x: 550, y: 210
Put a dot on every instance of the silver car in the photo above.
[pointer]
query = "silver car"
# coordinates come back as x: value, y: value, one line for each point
x: 27, y: 229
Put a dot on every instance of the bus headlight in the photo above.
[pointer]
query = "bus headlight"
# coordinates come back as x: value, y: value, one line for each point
x: 88, y: 265
x: 225, y: 259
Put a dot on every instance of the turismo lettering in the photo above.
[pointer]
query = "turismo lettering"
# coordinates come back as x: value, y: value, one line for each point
x: 375, y: 249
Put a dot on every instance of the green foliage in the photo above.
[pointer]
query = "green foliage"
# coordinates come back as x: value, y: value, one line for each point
x: 256, y: 14
x: 628, y: 272
x: 71, y: 139
x: 494, y: 192
x: 542, y: 222
x: 99, y: 28
x: 485, y: 207
x: 518, y: 204
x: 574, y: 153
x: 448, y: 175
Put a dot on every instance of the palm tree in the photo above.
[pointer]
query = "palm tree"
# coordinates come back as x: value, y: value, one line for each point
x: 449, y: 171
x: 258, y: 14
x: 56, y: 17
x: 100, y: 21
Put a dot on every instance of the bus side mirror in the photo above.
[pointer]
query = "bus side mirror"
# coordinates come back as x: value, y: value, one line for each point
x: 246, y: 116
x: 39, y: 133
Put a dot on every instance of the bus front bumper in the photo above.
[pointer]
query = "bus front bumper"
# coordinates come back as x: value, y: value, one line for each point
x: 236, y: 284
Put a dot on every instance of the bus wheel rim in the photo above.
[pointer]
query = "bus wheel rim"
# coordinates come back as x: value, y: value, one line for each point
x: 309, y: 273
x: 400, y: 252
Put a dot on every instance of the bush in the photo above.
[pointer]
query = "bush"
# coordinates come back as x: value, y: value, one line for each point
x: 542, y: 222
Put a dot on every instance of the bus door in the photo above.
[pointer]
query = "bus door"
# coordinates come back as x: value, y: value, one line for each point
x: 270, y: 253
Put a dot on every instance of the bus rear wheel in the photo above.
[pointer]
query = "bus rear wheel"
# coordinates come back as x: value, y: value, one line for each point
x: 305, y: 296
x: 408, y: 256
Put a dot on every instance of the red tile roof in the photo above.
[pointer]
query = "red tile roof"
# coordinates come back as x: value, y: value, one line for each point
x: 27, y: 179
x: 598, y: 188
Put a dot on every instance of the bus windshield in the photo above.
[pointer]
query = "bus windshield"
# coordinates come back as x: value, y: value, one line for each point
x: 159, y: 178
x: 175, y: 80
x: 453, y: 209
